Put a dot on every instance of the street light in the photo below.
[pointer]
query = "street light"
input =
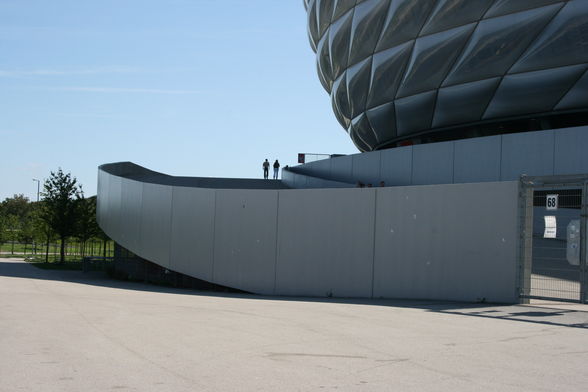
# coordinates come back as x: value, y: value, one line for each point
x: 38, y: 185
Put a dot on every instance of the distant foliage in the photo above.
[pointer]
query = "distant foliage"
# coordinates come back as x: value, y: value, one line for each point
x: 63, y: 213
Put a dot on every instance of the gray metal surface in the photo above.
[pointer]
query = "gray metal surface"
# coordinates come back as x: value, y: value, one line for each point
x: 536, y: 159
x: 395, y: 68
x: 156, y: 208
x: 324, y: 242
x: 477, y: 159
x: 245, y: 239
x: 432, y: 164
x: 450, y: 241
x: 192, y: 233
x: 570, y: 152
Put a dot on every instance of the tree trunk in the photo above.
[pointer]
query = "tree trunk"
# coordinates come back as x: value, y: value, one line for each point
x: 47, y: 250
x: 104, y: 249
x: 62, y: 250
x: 12, y: 250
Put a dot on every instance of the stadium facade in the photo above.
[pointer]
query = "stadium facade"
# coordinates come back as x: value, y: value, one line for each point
x: 451, y: 102
x: 403, y: 72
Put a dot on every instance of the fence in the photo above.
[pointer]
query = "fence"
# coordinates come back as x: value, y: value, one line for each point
x: 554, y: 238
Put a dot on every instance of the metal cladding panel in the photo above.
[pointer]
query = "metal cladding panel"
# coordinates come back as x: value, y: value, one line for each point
x: 321, y: 168
x: 396, y: 166
x: 102, y: 195
x: 432, y: 163
x: 402, y: 52
x: 192, y: 231
x: 114, y: 207
x: 245, y: 239
x: 456, y: 242
x: 300, y: 181
x: 325, y: 242
x: 535, y: 159
x: 130, y: 223
x: 366, y: 167
x: 516, y: 95
x: 577, y: 96
x: 477, y: 160
x: 571, y: 156
x: 288, y: 178
x: 155, y: 224
x: 464, y: 102
x: 342, y: 169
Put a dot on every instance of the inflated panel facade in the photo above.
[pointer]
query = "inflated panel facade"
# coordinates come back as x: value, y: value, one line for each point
x: 397, y: 69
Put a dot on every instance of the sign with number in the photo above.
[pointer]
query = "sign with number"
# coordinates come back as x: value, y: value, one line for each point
x: 551, y: 202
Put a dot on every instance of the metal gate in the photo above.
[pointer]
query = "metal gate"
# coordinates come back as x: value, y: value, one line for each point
x: 553, y: 238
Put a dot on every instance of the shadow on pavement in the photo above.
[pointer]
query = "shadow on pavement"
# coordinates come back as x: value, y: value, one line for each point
x: 551, y: 316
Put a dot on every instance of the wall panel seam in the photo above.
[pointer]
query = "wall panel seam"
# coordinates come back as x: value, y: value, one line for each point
x: 214, y: 238
x: 374, y: 241
x: 276, y: 253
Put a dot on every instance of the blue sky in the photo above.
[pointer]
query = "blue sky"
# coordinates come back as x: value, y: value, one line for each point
x: 185, y: 87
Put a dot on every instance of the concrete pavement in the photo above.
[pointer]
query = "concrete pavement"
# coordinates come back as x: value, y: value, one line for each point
x: 66, y: 331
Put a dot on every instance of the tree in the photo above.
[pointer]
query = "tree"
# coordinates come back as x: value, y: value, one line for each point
x: 18, y: 205
x: 11, y: 229
x: 2, y: 228
x: 14, y: 216
x: 60, y: 197
x: 43, y: 231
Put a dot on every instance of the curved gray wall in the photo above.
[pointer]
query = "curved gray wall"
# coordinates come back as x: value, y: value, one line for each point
x: 451, y: 242
x: 398, y: 68
x: 492, y: 158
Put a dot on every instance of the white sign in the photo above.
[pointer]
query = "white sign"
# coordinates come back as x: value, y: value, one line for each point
x: 551, y: 202
x: 550, y: 227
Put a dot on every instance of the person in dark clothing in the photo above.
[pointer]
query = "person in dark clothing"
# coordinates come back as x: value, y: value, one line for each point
x: 276, y: 169
x: 266, y: 169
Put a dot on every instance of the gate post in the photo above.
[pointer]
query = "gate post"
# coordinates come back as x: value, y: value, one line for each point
x: 583, y: 244
x: 525, y: 238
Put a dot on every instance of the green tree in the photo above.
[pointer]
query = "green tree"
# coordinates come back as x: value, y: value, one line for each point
x: 43, y: 232
x: 11, y: 229
x: 61, y: 193
x: 2, y: 228
x: 15, y: 215
x: 18, y: 205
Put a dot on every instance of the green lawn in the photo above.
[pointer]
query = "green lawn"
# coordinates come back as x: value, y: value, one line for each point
x: 73, y: 248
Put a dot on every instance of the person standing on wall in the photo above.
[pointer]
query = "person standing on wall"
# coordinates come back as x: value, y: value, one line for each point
x: 276, y: 169
x: 266, y: 169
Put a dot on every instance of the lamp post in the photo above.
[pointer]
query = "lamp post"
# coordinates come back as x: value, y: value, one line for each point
x: 38, y: 186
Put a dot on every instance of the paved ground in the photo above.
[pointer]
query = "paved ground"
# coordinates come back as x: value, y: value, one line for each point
x: 65, y: 331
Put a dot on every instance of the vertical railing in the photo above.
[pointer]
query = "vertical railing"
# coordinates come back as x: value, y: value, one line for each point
x: 583, y: 245
x: 525, y: 238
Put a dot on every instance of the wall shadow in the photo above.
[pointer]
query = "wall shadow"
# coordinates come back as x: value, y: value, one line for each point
x: 551, y: 316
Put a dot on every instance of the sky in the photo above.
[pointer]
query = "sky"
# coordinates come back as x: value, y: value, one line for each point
x: 205, y: 88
